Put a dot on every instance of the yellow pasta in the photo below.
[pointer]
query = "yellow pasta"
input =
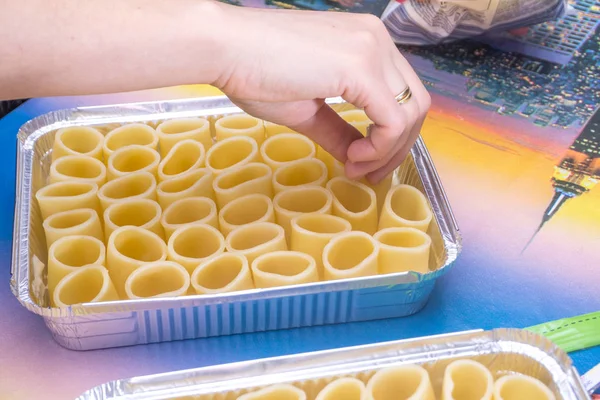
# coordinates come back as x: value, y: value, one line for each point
x: 286, y: 147
x: 232, y: 152
x: 64, y: 196
x: 272, y: 129
x: 334, y: 167
x: 521, y: 387
x: 227, y: 272
x: 410, y: 382
x: 69, y: 253
x: 275, y: 392
x: 405, y: 206
x: 190, y: 245
x: 187, y: 211
x: 246, y: 179
x: 195, y: 183
x: 255, y: 239
x: 175, y: 130
x: 183, y: 157
x: 343, y: 389
x: 134, y: 186
x: 381, y: 189
x: 350, y: 255
x: 355, y: 202
x: 240, y: 125
x: 403, y: 249
x: 81, y: 221
x: 143, y: 213
x: 300, y: 200
x: 305, y: 172
x: 284, y: 268
x: 245, y: 210
x: 130, y: 247
x: 468, y: 380
x: 157, y: 279
x: 89, y: 284
x: 358, y: 119
x: 135, y: 133
x: 78, y: 169
x: 77, y: 141
x: 132, y: 158
x: 311, y: 233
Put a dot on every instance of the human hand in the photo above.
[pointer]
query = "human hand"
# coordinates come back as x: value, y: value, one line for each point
x: 282, y: 64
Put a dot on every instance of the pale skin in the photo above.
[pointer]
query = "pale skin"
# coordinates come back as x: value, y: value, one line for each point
x: 278, y: 65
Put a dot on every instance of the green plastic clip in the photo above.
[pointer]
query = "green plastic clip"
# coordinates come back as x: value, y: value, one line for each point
x: 572, y: 334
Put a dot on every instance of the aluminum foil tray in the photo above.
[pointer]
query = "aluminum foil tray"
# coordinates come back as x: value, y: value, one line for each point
x: 122, y: 323
x: 503, y: 351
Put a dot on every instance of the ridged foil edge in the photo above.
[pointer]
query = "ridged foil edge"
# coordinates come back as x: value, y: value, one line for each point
x: 503, y: 350
x: 131, y: 112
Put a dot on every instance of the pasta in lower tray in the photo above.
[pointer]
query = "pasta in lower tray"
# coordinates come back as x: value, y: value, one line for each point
x: 144, y: 211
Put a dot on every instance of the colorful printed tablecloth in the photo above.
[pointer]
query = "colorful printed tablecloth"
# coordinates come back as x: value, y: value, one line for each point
x: 515, y: 139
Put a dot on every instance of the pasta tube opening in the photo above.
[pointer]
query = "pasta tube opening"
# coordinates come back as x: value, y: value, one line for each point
x: 275, y: 392
x: 158, y: 279
x: 409, y: 382
x: 240, y: 125
x: 286, y: 147
x: 255, y: 239
x: 89, y: 284
x: 403, y: 249
x: 405, y: 206
x: 300, y: 200
x: 190, y: 210
x: 521, y: 387
x: 284, y: 268
x: 175, y: 130
x: 358, y: 119
x: 343, y: 388
x: 305, y: 172
x: 231, y: 152
x: 245, y: 210
x: 184, y: 156
x: 224, y: 273
x: 137, y: 185
x: 126, y: 135
x: 355, y: 202
x: 467, y: 380
x: 65, y: 196
x: 247, y: 179
x: 78, y: 168
x: 190, y: 245
x: 143, y: 213
x: 132, y: 158
x: 350, y: 255
x: 77, y: 140
x: 195, y: 183
x: 82, y: 221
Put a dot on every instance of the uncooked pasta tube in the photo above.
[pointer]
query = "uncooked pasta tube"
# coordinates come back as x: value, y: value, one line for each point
x: 81, y: 221
x: 132, y: 158
x: 240, y: 125
x: 130, y: 247
x: 284, y: 268
x: 343, y: 389
x: 381, y: 189
x: 521, y: 387
x: 190, y: 245
x: 312, y: 232
x: 157, y: 279
x: 358, y: 119
x: 78, y: 168
x: 71, y: 252
x: 129, y: 134
x: 350, y: 255
x: 245, y: 210
x: 300, y: 200
x: 286, y: 147
x: 468, y: 380
x: 187, y: 211
x: 64, y: 196
x: 246, y: 179
x: 137, y: 185
x: 77, y: 140
x: 183, y: 157
x: 144, y: 213
x: 176, y: 130
x: 403, y: 249
x: 305, y: 172
x: 231, y: 152
x: 89, y: 284
x: 195, y: 183
x: 334, y: 167
x: 275, y: 392
x: 272, y: 129
x: 227, y: 272
x: 355, y: 202
x: 410, y: 382
x: 405, y: 206
x: 253, y: 240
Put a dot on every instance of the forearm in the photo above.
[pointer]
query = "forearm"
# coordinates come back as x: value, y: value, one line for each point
x: 68, y: 47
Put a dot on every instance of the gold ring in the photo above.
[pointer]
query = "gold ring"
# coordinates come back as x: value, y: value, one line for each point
x: 404, y: 96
